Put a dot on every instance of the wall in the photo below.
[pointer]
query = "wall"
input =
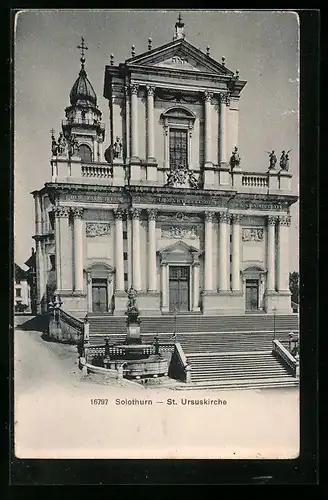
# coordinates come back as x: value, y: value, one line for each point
x: 253, y: 251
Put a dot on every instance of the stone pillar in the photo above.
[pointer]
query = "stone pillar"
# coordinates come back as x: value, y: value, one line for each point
x: 78, y: 249
x: 38, y: 215
x: 127, y: 121
x: 165, y: 306
x: 283, y: 253
x: 134, y: 121
x: 223, y: 128
x: 65, y: 249
x: 119, y: 258
x: 57, y: 249
x: 150, y: 123
x: 208, y: 125
x: 89, y: 293
x: 166, y: 143
x: 136, y: 270
x: 195, y: 269
x: 208, y: 272
x: 271, y: 285
x: 223, y: 251
x: 95, y: 150
x: 235, y: 285
x: 152, y: 268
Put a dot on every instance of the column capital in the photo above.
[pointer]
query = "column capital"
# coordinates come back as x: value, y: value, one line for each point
x: 236, y: 218
x: 134, y: 88
x: 119, y: 213
x: 272, y: 220
x: 225, y: 98
x: 208, y: 96
x: 224, y: 217
x: 209, y: 216
x: 62, y: 211
x: 150, y: 90
x: 152, y: 213
x: 135, y: 213
x: 284, y: 220
x: 78, y: 212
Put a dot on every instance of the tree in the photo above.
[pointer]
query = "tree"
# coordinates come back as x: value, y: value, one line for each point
x: 294, y: 286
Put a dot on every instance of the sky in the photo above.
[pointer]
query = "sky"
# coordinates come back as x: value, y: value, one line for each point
x: 262, y: 45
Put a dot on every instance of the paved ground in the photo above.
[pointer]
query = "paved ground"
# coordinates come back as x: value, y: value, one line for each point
x: 56, y: 415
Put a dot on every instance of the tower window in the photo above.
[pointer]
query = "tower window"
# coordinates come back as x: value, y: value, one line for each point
x: 85, y: 153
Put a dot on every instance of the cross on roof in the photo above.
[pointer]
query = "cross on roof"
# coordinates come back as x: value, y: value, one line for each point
x: 82, y: 46
x: 52, y: 132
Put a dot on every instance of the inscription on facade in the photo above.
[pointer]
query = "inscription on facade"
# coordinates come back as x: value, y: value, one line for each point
x: 97, y: 229
x: 252, y: 234
x: 180, y: 232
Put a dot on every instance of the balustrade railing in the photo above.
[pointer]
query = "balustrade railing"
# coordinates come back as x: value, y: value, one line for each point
x: 79, y: 121
x: 280, y: 351
x: 96, y: 171
x: 255, y: 180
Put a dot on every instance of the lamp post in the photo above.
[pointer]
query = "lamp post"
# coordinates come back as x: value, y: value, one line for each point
x: 274, y: 310
x: 175, y: 323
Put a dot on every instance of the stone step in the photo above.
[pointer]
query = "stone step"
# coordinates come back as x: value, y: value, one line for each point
x: 238, y: 384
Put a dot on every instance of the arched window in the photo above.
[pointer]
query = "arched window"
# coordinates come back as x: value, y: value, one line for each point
x: 85, y: 153
x: 178, y: 124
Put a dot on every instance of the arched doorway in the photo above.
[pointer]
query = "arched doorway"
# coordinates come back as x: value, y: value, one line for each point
x: 100, y: 288
x: 253, y: 280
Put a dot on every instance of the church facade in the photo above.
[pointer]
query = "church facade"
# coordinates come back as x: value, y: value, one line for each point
x: 159, y: 197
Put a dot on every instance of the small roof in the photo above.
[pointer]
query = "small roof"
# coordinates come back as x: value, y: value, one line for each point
x: 82, y: 93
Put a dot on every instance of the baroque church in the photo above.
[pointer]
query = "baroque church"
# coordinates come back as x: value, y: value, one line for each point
x: 159, y: 198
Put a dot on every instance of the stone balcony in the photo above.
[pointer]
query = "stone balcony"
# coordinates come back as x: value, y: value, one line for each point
x: 222, y: 177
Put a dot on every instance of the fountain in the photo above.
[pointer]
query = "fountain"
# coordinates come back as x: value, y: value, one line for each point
x: 138, y: 361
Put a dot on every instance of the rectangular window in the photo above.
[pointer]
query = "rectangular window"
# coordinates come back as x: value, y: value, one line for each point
x: 178, y: 148
x: 18, y: 292
x: 125, y: 276
x: 125, y: 255
x: 125, y: 235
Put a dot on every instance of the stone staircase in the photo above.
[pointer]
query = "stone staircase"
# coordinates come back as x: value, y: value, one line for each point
x: 223, y: 352
x: 259, y: 367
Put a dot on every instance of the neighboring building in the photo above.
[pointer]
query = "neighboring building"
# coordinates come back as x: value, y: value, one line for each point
x: 21, y: 291
x: 31, y: 279
x: 167, y: 205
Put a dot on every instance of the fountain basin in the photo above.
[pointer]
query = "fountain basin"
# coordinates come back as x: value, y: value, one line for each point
x: 154, y: 366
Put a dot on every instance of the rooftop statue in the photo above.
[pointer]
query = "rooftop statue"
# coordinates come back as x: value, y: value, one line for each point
x: 284, y: 160
x: 272, y: 159
x: 235, y: 158
x: 73, y: 147
x: 54, y: 146
x: 62, y: 144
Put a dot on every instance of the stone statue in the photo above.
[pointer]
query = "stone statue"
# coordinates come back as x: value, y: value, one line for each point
x: 54, y: 146
x: 272, y: 159
x: 193, y: 182
x: 73, y: 147
x: 117, y: 148
x: 132, y: 296
x: 284, y: 160
x: 62, y: 144
x: 235, y: 158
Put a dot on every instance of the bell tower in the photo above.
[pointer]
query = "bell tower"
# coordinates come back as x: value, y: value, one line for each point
x: 82, y: 133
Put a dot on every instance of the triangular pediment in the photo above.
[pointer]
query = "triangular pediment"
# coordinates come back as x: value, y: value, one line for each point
x: 180, y: 247
x: 179, y: 55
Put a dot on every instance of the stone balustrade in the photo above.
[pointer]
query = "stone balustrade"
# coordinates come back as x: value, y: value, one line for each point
x: 255, y: 180
x: 96, y: 171
x: 280, y: 351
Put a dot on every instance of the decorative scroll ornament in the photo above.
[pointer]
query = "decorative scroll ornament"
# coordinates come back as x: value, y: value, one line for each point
x: 208, y: 96
x: 78, y: 212
x: 134, y: 88
x: 180, y: 232
x: 285, y: 220
x: 252, y: 234
x: 150, y: 90
x: 97, y: 229
x: 119, y: 213
x: 182, y: 177
x: 236, y: 218
x: 209, y: 216
x: 62, y: 211
x: 152, y: 213
x: 272, y: 220
x: 176, y: 96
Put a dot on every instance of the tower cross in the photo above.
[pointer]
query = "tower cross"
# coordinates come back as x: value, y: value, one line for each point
x: 82, y: 46
x: 52, y: 132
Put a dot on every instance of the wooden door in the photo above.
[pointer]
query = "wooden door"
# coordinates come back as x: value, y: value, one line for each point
x: 252, y: 295
x: 179, y: 288
x: 99, y: 295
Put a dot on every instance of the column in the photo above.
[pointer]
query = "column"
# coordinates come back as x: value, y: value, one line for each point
x: 134, y: 120
x: 119, y: 258
x: 207, y: 125
x: 208, y: 272
x: 89, y: 285
x: 223, y: 128
x: 152, y: 268
x: 57, y: 249
x: 271, y: 253
x: 283, y: 253
x: 40, y: 274
x: 136, y: 269
x: 66, y: 253
x: 78, y: 249
x: 166, y: 144
x: 150, y: 123
x: 223, y: 251
x: 95, y: 150
x: 236, y: 218
x: 127, y: 120
x: 195, y: 270
x: 37, y: 209
x: 164, y: 285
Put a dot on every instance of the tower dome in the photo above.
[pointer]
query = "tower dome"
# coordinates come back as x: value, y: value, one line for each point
x: 82, y: 93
